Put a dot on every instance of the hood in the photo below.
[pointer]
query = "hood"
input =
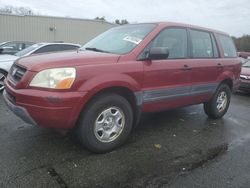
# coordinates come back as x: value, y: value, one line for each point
x: 4, y: 58
x: 245, y: 71
x: 66, y: 59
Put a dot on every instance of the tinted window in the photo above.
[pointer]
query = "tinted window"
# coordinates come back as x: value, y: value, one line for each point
x: 175, y: 39
x: 227, y: 46
x: 48, y: 48
x: 201, y: 44
x: 28, y: 45
x: 12, y: 46
x: 28, y: 50
x: 68, y: 47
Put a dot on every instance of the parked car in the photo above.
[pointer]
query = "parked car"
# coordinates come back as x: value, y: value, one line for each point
x: 6, y: 61
x: 244, y: 55
x: 245, y: 77
x: 101, y: 89
x: 13, y: 47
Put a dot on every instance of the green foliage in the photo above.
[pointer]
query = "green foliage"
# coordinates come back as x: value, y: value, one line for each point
x: 242, y: 43
x: 121, y: 22
x: 100, y: 18
x: 16, y: 10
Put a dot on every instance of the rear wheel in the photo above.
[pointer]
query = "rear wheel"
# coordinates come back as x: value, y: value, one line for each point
x: 218, y: 105
x: 106, y: 123
x: 3, y: 76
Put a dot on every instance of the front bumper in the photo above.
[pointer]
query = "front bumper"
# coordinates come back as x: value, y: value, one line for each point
x: 50, y: 109
x: 18, y: 110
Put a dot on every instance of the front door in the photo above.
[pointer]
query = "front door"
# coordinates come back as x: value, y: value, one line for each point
x: 167, y: 82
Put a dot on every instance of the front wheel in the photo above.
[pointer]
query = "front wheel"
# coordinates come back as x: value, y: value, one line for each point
x: 106, y: 123
x: 218, y: 105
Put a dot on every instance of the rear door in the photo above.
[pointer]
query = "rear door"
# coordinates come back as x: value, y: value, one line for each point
x: 167, y: 82
x: 206, y: 64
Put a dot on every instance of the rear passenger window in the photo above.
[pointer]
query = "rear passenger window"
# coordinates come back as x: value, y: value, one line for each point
x: 48, y: 48
x: 227, y: 46
x: 175, y: 39
x: 215, y: 49
x: 65, y: 47
x: 202, y: 46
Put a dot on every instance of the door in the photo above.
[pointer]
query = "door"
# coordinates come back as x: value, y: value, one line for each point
x: 206, y: 64
x: 167, y: 81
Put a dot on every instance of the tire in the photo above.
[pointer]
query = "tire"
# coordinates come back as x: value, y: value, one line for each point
x: 3, y: 75
x: 219, y: 104
x: 106, y: 123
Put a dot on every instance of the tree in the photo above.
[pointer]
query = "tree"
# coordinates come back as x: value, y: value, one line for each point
x: 17, y: 10
x: 242, y: 43
x: 121, y: 22
x: 100, y: 18
x: 7, y: 10
x: 24, y: 11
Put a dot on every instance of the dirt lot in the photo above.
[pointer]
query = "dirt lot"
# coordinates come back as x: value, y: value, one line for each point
x: 176, y: 148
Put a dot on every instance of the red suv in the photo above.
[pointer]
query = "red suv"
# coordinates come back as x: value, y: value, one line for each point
x: 101, y: 89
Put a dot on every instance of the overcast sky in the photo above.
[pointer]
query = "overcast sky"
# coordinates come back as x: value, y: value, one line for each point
x: 231, y: 16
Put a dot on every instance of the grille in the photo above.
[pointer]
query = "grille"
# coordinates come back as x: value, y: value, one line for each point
x: 16, y: 73
x: 245, y: 85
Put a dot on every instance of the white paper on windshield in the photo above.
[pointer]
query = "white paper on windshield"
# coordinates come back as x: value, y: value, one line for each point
x: 134, y: 40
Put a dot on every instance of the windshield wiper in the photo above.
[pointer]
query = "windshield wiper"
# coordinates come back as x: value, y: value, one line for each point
x: 96, y: 50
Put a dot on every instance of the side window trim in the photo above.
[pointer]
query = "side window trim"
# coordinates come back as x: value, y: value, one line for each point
x: 214, y: 45
x: 190, y: 46
x: 140, y: 56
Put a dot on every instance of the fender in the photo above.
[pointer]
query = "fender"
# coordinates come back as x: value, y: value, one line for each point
x: 105, y: 81
x: 101, y: 82
x: 226, y: 75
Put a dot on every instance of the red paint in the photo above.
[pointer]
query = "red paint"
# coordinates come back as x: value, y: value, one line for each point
x: 98, y: 71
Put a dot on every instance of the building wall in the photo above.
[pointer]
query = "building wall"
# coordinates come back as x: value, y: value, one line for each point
x: 49, y: 29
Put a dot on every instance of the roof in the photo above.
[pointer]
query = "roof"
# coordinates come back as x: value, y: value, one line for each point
x: 184, y: 25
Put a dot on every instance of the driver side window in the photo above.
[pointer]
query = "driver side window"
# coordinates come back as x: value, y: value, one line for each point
x: 175, y: 39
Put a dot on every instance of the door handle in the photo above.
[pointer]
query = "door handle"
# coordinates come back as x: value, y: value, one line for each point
x: 186, y: 68
x: 219, y: 66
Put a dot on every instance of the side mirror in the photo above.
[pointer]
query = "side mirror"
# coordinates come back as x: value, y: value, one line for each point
x: 157, y: 53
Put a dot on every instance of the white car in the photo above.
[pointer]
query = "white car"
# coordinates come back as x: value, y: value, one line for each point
x: 6, y: 61
x: 12, y: 47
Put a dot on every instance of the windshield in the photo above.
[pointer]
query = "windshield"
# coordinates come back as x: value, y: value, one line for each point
x: 26, y: 51
x: 246, y: 64
x: 119, y: 40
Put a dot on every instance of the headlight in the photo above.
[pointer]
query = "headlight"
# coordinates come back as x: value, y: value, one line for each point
x: 58, y: 78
